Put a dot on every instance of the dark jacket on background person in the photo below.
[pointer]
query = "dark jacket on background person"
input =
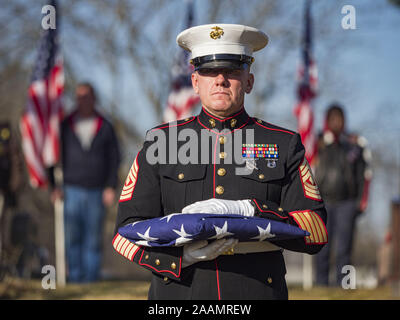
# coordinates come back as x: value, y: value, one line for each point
x: 283, y: 189
x: 341, y: 169
x: 93, y: 168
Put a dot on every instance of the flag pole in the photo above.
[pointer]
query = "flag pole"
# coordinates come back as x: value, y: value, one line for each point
x: 59, y: 235
x: 307, y: 272
x: 60, y: 243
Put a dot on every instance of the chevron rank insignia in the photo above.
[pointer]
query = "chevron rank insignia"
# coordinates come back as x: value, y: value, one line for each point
x: 130, y: 182
x: 311, y: 222
x: 125, y: 247
x: 310, y: 188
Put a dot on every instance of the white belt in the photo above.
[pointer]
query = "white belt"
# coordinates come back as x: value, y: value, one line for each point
x: 252, y: 247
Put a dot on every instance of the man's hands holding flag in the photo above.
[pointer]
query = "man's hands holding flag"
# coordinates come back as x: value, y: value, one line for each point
x: 202, y: 251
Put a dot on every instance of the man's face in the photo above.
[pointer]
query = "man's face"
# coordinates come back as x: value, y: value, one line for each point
x: 336, y: 123
x: 85, y: 100
x: 222, y: 91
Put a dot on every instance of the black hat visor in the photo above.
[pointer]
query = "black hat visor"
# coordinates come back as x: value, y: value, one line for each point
x: 222, y: 61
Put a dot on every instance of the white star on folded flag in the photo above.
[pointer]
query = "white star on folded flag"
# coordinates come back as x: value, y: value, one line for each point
x: 183, y: 236
x: 168, y: 217
x: 133, y: 223
x: 264, y: 233
x: 145, y: 236
x: 221, y: 232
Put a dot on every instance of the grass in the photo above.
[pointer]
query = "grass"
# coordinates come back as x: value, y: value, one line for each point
x: 322, y: 293
x: 19, y: 289
x: 104, y: 290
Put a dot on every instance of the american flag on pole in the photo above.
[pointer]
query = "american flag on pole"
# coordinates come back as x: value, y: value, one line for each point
x: 178, y: 229
x: 41, y: 118
x: 307, y: 77
x: 182, y: 99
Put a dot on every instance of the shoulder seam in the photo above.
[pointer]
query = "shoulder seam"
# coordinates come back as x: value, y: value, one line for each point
x: 274, y: 129
x: 168, y: 125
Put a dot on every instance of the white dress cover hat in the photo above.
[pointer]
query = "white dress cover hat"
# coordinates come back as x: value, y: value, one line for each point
x: 213, y: 43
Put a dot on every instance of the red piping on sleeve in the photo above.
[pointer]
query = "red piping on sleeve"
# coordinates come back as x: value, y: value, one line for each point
x: 147, y: 265
x: 255, y: 201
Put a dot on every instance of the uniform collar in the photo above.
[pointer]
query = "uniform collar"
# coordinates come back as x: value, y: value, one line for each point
x: 235, y: 121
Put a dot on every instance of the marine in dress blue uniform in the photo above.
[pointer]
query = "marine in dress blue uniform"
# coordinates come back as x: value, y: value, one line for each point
x: 278, y: 185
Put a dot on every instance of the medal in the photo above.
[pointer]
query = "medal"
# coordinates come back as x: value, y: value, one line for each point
x: 271, y: 163
x: 251, y: 164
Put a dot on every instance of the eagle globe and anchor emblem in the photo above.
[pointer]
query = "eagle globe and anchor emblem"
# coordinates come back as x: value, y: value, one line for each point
x: 216, y: 33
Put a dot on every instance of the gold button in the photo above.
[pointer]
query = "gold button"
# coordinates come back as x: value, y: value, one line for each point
x: 219, y: 189
x: 146, y: 256
x: 261, y: 176
x: 165, y: 279
x: 265, y: 206
x: 173, y: 265
x: 187, y: 119
x: 212, y: 122
x: 158, y: 262
x: 280, y: 209
x: 233, y: 123
x: 222, y: 140
x: 230, y: 252
x: 181, y: 176
x: 269, y: 280
x: 221, y: 172
x: 222, y: 155
x: 259, y: 121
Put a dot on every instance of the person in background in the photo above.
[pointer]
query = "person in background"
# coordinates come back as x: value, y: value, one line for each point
x: 90, y: 158
x: 11, y: 181
x: 343, y: 177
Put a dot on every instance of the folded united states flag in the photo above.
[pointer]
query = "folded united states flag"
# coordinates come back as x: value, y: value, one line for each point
x: 178, y: 229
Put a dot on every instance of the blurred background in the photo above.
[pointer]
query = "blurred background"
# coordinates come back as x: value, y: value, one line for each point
x: 127, y: 50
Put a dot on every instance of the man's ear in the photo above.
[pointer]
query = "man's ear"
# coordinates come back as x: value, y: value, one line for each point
x: 249, y: 83
x: 195, y: 82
